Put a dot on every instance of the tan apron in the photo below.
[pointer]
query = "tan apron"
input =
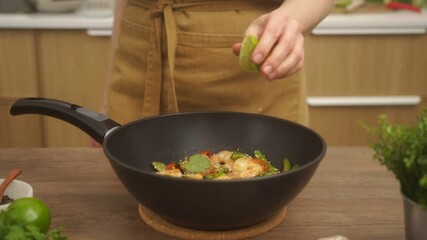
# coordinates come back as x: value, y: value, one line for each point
x: 175, y: 56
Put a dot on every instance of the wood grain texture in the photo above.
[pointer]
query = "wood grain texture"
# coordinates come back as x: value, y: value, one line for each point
x: 19, y: 131
x: 342, y: 126
x: 370, y: 65
x: 18, y: 78
x: 350, y: 195
x: 366, y: 65
x: 18, y: 67
x: 73, y: 68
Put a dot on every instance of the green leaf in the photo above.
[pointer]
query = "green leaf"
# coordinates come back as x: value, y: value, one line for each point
x: 12, y: 229
x: 16, y: 232
x: 55, y: 234
x: 34, y: 232
x: 159, y: 166
x: 3, y: 231
x: 403, y: 150
x: 236, y: 155
x: 342, y: 3
x: 197, y: 163
x: 286, y: 165
x: 423, y: 181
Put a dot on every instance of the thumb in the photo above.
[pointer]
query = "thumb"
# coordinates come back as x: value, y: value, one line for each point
x: 236, y: 48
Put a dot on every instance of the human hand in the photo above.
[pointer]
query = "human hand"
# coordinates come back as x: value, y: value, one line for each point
x: 94, y: 144
x: 281, y: 44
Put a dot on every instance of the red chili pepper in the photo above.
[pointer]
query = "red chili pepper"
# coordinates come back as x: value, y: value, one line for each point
x: 206, y: 152
x: 406, y: 6
x: 170, y: 166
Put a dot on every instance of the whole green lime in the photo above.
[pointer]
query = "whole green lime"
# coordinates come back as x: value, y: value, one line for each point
x: 31, y: 211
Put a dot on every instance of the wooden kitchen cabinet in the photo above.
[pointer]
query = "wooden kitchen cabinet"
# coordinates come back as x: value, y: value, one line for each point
x: 343, y: 126
x: 18, y: 78
x: 71, y: 65
x: 389, y: 65
x: 64, y: 64
x: 73, y: 68
x: 366, y: 65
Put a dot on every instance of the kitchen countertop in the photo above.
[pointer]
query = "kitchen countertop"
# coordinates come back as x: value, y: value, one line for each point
x: 398, y: 22
x: 367, y: 23
x: 101, y: 26
x: 350, y: 195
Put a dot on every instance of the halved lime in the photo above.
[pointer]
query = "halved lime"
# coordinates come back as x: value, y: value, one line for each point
x: 342, y: 3
x: 245, y: 56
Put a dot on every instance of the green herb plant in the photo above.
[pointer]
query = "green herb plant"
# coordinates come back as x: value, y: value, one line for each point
x: 14, y: 229
x: 403, y: 150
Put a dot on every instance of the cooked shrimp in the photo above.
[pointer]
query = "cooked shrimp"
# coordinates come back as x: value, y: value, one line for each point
x: 193, y: 176
x: 220, y: 166
x: 246, y: 167
x: 223, y: 177
x: 222, y: 158
x: 171, y: 172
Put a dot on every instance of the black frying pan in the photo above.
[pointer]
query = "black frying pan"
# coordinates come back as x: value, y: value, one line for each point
x: 197, y: 204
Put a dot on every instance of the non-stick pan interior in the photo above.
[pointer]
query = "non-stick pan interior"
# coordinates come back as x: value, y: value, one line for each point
x: 172, y: 137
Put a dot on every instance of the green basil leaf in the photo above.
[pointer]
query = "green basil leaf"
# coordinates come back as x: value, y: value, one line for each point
x: 197, y: 163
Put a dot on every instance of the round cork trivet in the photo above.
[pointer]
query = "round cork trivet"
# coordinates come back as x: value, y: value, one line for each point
x: 155, y: 221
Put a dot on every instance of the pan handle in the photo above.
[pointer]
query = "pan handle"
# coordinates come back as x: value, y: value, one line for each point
x: 95, y: 124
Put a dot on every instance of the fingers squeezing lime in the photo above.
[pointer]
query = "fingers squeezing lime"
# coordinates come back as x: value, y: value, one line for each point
x: 245, y: 56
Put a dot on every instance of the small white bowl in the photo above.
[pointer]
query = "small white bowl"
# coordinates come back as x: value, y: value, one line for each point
x: 16, y: 189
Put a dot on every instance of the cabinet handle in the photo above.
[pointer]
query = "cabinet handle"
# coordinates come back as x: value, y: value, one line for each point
x: 345, y: 101
x: 99, y: 32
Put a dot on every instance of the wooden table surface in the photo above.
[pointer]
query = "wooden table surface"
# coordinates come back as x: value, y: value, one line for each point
x: 350, y: 195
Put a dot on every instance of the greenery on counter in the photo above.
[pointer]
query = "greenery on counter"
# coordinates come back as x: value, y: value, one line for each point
x: 403, y: 150
x: 12, y: 228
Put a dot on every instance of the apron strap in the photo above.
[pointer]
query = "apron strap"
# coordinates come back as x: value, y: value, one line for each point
x: 172, y: 41
x: 153, y: 77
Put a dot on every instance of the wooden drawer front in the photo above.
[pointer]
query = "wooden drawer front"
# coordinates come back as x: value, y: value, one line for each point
x: 18, y: 78
x: 341, y: 126
x: 73, y: 69
x: 19, y: 131
x: 366, y: 65
x: 18, y: 68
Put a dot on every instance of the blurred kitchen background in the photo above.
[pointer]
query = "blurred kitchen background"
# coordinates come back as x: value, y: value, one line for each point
x: 365, y: 59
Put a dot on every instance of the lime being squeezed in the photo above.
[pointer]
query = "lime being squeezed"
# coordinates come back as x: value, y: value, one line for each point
x: 245, y: 56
